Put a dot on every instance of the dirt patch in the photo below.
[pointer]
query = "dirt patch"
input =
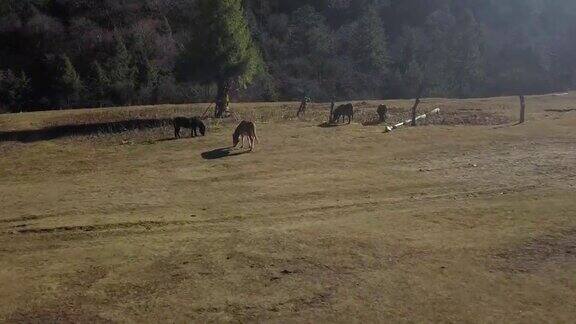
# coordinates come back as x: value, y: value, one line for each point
x: 472, y: 117
x: 448, y: 116
x: 538, y: 253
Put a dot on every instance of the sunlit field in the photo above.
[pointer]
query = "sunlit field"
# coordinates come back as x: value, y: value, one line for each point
x: 467, y: 218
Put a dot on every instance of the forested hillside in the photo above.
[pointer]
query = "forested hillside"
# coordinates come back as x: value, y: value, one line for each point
x: 85, y: 53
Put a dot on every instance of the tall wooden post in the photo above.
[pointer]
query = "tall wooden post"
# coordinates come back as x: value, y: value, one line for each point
x: 332, y: 104
x: 522, y: 109
x: 222, y: 99
x: 303, y: 106
x: 414, y: 111
x: 382, y: 113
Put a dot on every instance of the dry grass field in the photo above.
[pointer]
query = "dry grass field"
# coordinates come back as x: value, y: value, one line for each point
x: 468, y: 218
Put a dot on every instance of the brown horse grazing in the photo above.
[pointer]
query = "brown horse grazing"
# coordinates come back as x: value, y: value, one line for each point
x: 246, y: 129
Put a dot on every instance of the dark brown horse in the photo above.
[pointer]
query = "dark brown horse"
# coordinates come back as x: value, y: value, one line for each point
x: 343, y: 111
x: 194, y: 124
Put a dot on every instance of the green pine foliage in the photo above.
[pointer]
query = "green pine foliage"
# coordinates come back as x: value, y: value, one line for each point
x: 14, y: 90
x: 370, y: 48
x: 68, y: 82
x: 221, y: 51
x: 160, y: 51
x: 221, y: 48
x: 122, y: 74
x: 466, y: 57
x: 120, y: 66
x: 99, y: 83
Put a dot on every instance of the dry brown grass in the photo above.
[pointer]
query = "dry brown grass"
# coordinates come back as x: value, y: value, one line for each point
x: 447, y: 222
x: 462, y: 112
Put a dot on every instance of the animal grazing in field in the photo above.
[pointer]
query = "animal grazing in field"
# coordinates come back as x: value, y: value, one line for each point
x: 343, y: 111
x: 194, y: 124
x: 382, y: 112
x: 246, y: 129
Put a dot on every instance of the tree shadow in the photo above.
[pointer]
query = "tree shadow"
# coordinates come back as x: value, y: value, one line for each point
x: 50, y: 133
x: 374, y: 122
x: 170, y: 139
x: 508, y: 125
x: 222, y: 153
x: 560, y: 110
x: 330, y: 125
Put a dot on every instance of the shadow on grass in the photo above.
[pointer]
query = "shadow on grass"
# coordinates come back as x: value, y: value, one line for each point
x: 374, y: 122
x: 560, y: 110
x: 508, y: 125
x: 222, y: 153
x: 50, y: 133
x: 330, y: 125
x: 171, y: 139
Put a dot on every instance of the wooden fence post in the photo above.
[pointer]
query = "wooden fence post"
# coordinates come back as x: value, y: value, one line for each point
x: 382, y: 113
x: 414, y: 111
x: 332, y: 104
x: 302, y: 109
x: 522, y: 109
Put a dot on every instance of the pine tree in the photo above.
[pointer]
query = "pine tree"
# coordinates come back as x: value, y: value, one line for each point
x: 370, y: 42
x: 99, y: 82
x: 122, y: 73
x: 165, y: 27
x: 120, y: 66
x: 465, y: 64
x: 416, y: 72
x: 14, y: 90
x: 222, y: 50
x: 68, y: 82
x: 313, y: 40
x: 147, y: 73
x: 367, y: 49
